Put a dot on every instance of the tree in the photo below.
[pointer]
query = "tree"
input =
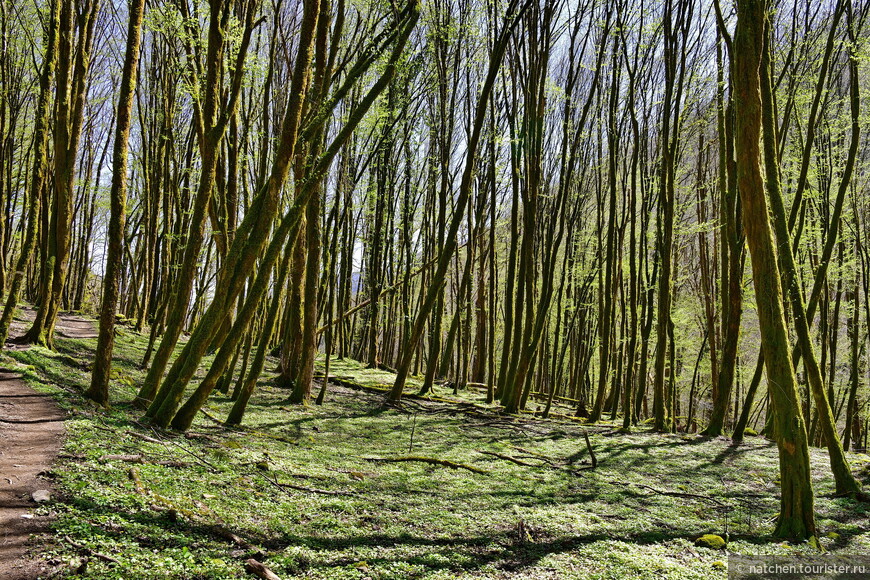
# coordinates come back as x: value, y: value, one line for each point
x: 73, y: 62
x: 38, y: 177
x: 445, y: 254
x: 99, y: 389
x: 797, y: 518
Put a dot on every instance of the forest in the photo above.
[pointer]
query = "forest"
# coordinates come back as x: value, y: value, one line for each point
x: 432, y: 288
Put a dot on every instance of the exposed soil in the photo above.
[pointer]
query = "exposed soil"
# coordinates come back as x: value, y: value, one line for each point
x: 31, y: 434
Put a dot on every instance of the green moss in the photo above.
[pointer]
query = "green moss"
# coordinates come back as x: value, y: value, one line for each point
x: 710, y: 541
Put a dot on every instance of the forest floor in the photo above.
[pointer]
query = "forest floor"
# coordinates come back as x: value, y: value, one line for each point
x: 309, y: 492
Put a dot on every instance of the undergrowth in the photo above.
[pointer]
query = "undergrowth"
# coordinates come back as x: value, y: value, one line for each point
x: 301, y: 489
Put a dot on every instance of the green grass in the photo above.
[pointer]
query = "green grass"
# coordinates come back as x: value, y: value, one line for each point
x: 557, y: 518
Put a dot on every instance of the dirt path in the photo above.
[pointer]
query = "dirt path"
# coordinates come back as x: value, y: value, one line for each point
x: 31, y: 434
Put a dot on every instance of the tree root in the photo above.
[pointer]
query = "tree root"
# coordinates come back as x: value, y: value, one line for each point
x: 138, y: 435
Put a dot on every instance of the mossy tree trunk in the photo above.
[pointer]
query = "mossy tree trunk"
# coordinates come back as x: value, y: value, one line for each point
x: 73, y: 62
x: 308, y: 348
x: 250, y: 381
x: 732, y: 251
x: 252, y: 233
x: 796, y: 518
x: 844, y: 480
x: 212, y: 113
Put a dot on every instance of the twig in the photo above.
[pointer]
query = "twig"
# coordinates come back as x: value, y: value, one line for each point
x: 413, y: 428
x: 430, y: 461
x: 282, y: 487
x: 90, y: 552
x: 195, y: 456
x: 144, y: 437
x: 536, y: 455
x: 314, y: 489
x: 507, y: 458
x: 675, y: 493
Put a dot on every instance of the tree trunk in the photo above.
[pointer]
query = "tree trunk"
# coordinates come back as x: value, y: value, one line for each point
x: 99, y: 389
x: 796, y: 518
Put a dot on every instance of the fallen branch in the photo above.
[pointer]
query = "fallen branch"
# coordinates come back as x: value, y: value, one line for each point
x: 141, y: 460
x: 285, y: 486
x: 133, y: 474
x: 224, y: 533
x: 192, y: 435
x: 430, y: 461
x: 507, y: 458
x: 259, y: 570
x: 212, y: 417
x: 129, y: 458
x: 537, y: 455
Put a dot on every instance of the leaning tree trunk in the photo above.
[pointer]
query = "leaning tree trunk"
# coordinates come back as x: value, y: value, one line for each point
x: 845, y: 481
x: 252, y: 233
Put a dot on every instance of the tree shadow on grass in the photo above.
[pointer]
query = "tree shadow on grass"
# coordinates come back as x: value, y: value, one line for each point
x: 731, y: 452
x: 510, y: 548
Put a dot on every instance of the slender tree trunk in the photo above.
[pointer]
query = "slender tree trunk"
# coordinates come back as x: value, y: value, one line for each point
x: 72, y: 83
x: 99, y: 389
x: 845, y: 481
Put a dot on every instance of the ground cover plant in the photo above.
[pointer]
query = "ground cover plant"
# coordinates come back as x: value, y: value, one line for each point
x: 501, y: 238
x: 307, y: 491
